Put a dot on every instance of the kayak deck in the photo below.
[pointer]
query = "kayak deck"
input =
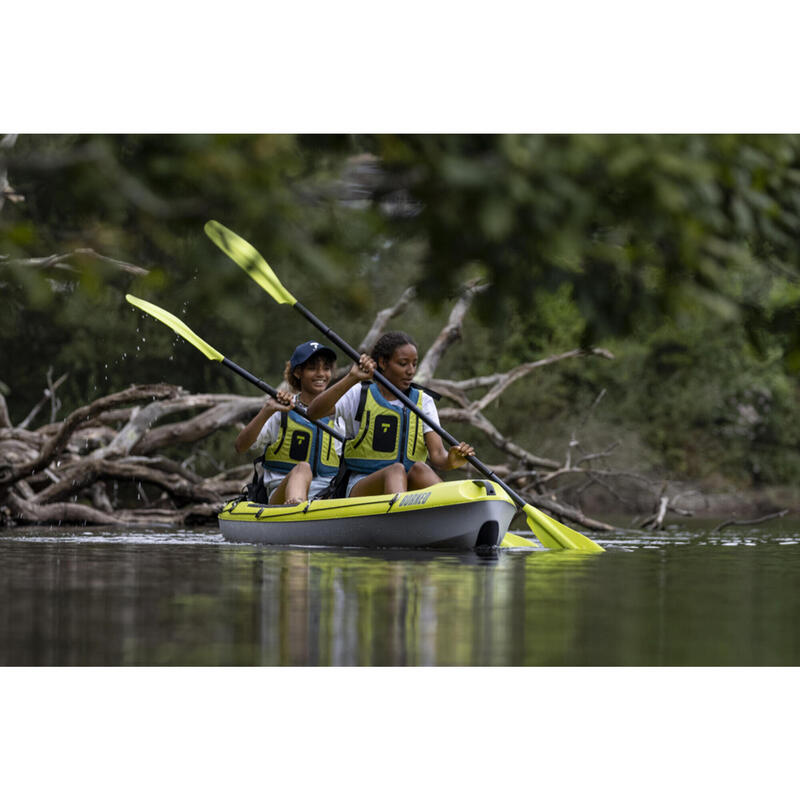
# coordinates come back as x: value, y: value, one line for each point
x: 454, y: 515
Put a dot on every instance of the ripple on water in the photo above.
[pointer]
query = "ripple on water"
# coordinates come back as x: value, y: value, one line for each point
x: 622, y: 539
x: 114, y: 536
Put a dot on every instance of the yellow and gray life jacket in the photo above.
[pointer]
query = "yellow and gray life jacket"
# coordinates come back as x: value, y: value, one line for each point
x: 387, y: 433
x: 301, y: 440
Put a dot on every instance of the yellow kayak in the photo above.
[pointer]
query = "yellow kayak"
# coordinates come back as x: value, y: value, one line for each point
x: 455, y: 515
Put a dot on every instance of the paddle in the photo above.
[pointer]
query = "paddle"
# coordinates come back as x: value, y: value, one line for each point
x: 182, y: 329
x: 551, y: 533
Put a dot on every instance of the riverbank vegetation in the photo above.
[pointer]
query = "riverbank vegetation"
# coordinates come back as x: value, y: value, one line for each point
x: 675, y: 254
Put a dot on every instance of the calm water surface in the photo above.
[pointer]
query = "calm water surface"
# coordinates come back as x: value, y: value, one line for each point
x: 71, y: 596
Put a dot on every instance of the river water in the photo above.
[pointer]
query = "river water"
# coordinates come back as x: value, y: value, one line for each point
x: 682, y: 597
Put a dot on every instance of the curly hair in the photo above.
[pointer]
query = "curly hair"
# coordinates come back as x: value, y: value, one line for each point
x: 388, y: 343
x: 293, y: 380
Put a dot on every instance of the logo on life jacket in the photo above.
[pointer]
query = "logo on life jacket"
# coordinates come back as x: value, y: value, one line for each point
x: 300, y: 445
x: 385, y: 438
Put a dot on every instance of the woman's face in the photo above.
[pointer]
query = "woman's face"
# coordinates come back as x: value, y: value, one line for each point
x: 401, y: 366
x: 314, y: 376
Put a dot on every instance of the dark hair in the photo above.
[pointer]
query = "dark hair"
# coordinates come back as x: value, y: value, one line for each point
x: 388, y: 343
x: 293, y: 380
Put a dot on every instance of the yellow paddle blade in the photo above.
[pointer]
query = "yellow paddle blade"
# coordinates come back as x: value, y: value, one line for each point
x: 181, y: 328
x: 556, y: 535
x: 249, y: 259
x: 512, y: 540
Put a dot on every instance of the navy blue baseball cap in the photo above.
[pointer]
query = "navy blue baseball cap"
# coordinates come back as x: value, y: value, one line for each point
x: 308, y: 349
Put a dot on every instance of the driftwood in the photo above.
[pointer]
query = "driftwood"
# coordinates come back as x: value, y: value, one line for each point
x: 104, y: 463
x: 765, y: 518
x: 61, y: 472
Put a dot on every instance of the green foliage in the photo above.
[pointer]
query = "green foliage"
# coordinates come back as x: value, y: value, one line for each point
x: 676, y: 252
x: 637, y: 226
x: 705, y: 403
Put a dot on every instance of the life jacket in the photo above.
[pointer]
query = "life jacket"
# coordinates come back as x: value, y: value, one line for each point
x: 387, y: 433
x: 301, y: 440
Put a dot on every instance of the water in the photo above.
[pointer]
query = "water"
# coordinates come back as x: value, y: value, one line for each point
x: 71, y: 596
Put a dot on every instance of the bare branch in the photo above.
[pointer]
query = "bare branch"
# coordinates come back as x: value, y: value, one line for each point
x: 47, y: 394
x: 87, y: 472
x: 442, y: 386
x: 7, y: 191
x: 28, y: 511
x: 140, y: 421
x: 765, y: 518
x: 200, y: 426
x: 5, y: 420
x: 656, y: 522
x: 450, y: 333
x: 383, y: 317
x: 55, y: 403
x: 56, y: 443
x: 568, y: 512
x: 505, y: 380
x: 58, y: 261
x: 480, y: 422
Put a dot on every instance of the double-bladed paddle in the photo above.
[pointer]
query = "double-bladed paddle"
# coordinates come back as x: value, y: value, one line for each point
x: 182, y: 329
x: 549, y: 532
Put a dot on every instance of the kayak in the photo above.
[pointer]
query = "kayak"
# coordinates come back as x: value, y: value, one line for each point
x: 459, y: 515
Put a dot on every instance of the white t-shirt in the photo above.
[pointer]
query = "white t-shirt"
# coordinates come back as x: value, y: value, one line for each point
x: 271, y: 431
x: 348, y: 405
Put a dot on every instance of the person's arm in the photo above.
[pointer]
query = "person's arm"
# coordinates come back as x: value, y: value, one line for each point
x: 250, y: 432
x: 325, y: 402
x: 443, y: 459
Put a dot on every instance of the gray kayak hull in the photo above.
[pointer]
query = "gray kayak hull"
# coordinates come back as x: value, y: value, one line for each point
x: 460, y: 515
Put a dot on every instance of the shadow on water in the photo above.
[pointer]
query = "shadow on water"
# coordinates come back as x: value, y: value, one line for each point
x: 172, y: 597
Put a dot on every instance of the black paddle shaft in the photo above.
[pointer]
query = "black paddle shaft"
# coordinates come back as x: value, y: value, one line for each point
x: 377, y: 376
x: 265, y: 387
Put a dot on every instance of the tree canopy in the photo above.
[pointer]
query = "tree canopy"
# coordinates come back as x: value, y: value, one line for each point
x: 679, y: 252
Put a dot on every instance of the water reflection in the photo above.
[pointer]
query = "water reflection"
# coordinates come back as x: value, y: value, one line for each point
x: 70, y: 597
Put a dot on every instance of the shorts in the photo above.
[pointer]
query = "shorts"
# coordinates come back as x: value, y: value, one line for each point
x: 354, y: 478
x: 318, y: 484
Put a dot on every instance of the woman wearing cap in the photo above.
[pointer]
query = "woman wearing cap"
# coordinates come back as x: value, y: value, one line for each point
x: 299, y: 459
x: 387, y: 445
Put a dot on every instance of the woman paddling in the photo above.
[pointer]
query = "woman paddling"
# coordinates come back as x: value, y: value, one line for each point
x: 298, y: 458
x: 387, y: 444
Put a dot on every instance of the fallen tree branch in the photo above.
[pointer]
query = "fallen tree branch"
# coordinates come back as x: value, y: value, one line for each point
x: 86, y: 472
x: 568, y: 513
x: 199, y: 427
x: 56, y: 443
x: 27, y: 511
x: 775, y: 515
